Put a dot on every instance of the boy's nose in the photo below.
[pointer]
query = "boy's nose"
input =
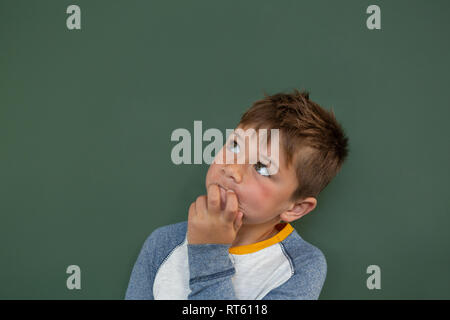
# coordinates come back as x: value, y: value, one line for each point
x: 233, y: 171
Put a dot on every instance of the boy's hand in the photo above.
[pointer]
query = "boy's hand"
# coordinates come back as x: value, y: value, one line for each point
x: 208, y: 223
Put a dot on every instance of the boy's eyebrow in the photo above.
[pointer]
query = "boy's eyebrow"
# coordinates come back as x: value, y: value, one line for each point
x: 262, y: 156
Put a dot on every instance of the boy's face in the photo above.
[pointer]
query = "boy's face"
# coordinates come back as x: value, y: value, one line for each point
x: 262, y: 195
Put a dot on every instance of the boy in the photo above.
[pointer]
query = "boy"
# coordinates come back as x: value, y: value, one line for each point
x: 238, y: 242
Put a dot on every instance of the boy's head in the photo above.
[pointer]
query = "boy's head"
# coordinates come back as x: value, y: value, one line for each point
x: 312, y: 149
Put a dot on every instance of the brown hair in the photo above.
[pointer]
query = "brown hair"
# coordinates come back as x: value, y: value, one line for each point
x: 309, y: 135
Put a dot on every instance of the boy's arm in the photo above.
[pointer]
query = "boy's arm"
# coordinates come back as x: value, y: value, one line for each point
x: 210, y: 270
x: 211, y: 230
x: 306, y: 282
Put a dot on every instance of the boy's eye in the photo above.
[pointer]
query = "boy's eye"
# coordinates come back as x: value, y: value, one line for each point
x: 234, y: 146
x: 262, y: 169
x: 259, y: 167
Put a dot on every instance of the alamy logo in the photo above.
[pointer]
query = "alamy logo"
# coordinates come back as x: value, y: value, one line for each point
x: 374, y: 281
x: 74, y: 20
x: 74, y: 280
x: 374, y: 20
x: 237, y: 142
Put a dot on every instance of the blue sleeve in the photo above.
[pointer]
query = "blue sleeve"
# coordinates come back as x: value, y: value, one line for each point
x: 210, y: 270
x: 306, y: 282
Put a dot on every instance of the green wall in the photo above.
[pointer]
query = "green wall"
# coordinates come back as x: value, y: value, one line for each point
x: 86, y: 118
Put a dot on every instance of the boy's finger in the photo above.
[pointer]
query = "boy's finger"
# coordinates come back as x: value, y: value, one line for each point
x: 213, y: 198
x: 192, y: 210
x: 238, y: 221
x: 200, y: 205
x: 231, y: 206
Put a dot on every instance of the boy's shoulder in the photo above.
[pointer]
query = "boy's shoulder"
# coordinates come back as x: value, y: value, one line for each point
x: 171, y: 229
x: 172, y: 234
x: 304, y: 254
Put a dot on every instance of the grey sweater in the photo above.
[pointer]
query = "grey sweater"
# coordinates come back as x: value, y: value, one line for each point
x: 282, y: 267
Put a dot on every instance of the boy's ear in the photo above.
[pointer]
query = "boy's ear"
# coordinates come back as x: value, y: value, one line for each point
x: 299, y: 209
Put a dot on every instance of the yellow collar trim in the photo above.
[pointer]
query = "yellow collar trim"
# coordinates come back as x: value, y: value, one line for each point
x: 250, y: 248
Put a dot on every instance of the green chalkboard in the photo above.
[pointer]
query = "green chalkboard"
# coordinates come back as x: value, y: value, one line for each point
x: 86, y: 117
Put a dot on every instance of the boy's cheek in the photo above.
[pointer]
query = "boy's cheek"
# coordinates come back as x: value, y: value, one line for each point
x: 258, y: 201
x: 260, y: 194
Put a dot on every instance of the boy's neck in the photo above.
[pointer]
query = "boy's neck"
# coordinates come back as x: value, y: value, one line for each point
x: 253, y: 233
